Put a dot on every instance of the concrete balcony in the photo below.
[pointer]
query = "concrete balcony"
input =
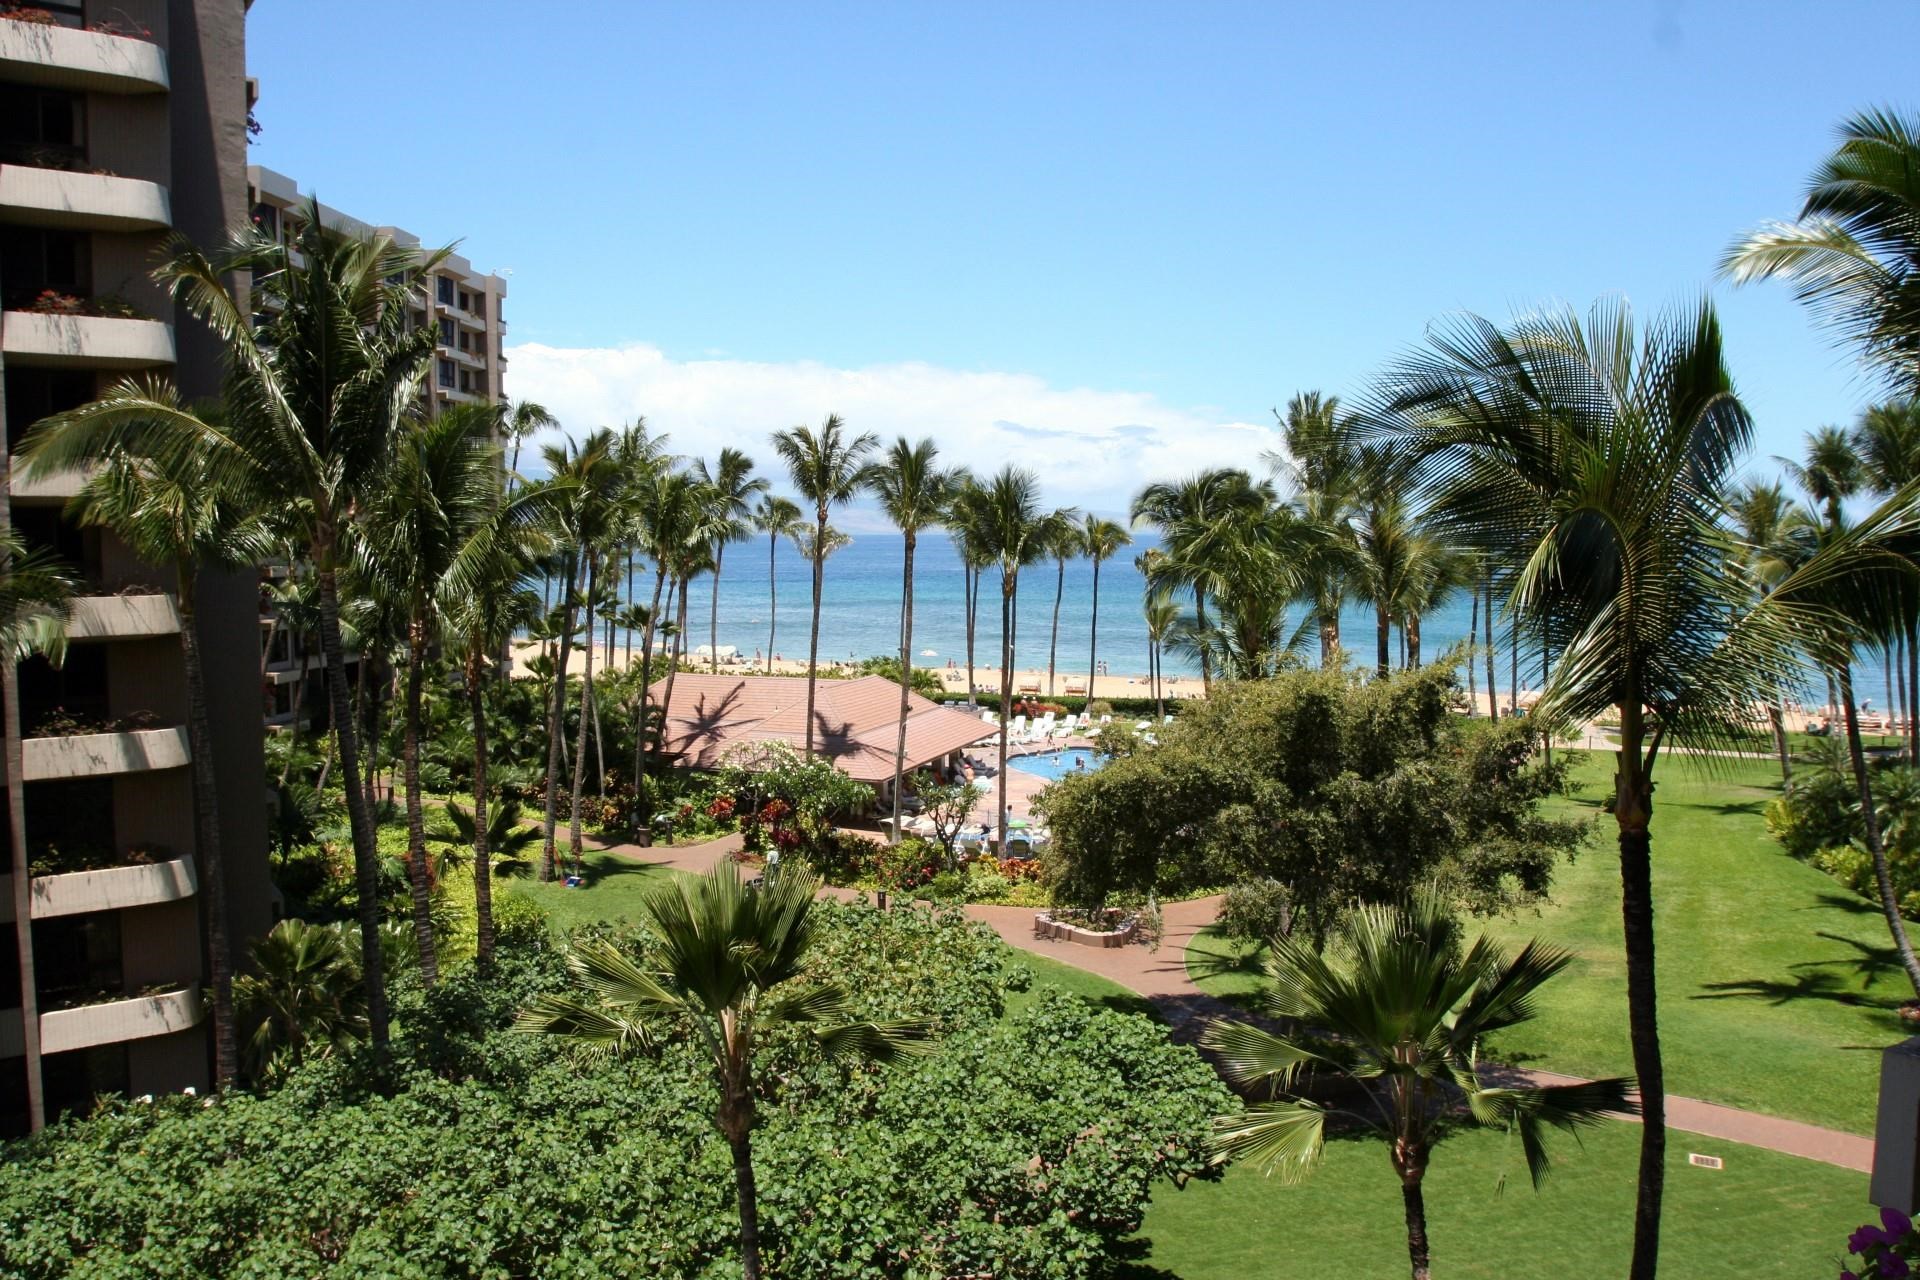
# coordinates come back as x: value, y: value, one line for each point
x: 102, y: 755
x: 135, y: 1018
x: 39, y: 339
x: 113, y: 888
x: 123, y: 617
x: 55, y: 486
x: 62, y: 58
x: 82, y: 201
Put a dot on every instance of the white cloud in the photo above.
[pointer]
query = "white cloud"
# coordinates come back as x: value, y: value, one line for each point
x: 1091, y: 448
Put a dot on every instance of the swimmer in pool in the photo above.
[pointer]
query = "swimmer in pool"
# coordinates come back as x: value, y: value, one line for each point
x: 1080, y: 762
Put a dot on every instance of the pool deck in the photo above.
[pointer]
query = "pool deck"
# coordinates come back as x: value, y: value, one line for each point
x: 1022, y: 786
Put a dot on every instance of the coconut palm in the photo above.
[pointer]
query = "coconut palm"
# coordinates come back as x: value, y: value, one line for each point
x: 1194, y: 518
x: 1324, y: 464
x: 1887, y: 438
x: 914, y: 492
x: 966, y: 525
x: 314, y: 396
x: 1852, y: 255
x: 828, y: 469
x: 1064, y: 545
x: 667, y: 514
x: 437, y: 490
x: 1100, y: 539
x: 731, y: 486
x: 777, y: 518
x: 1162, y: 617
x: 1762, y: 519
x: 36, y: 595
x: 167, y: 514
x: 519, y: 423
x: 1593, y: 458
x: 1402, y: 1004
x: 732, y: 965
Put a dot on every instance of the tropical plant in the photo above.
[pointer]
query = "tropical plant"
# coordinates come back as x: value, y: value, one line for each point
x: 1325, y: 465
x: 778, y: 518
x: 302, y: 998
x: 828, y: 469
x: 520, y: 422
x: 730, y: 486
x: 313, y: 400
x: 914, y: 492
x: 36, y: 595
x: 733, y: 964
x: 1162, y: 614
x: 1065, y: 544
x: 1398, y: 1004
x: 1203, y: 522
x: 1100, y: 539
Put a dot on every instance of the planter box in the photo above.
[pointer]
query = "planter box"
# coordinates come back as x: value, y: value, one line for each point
x: 1045, y: 926
x: 52, y: 341
x: 135, y: 1018
x: 123, y: 617
x: 82, y: 201
x: 99, y: 755
x: 62, y: 58
x: 113, y: 888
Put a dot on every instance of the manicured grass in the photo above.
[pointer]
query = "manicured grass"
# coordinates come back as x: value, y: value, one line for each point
x: 1089, y: 987
x: 1762, y: 1215
x: 1777, y: 987
x: 614, y: 890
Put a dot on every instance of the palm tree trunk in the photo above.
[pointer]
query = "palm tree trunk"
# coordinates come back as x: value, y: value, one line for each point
x: 773, y: 595
x: 1513, y: 660
x: 374, y: 727
x: 586, y: 718
x: 416, y: 812
x: 1007, y: 586
x: 1412, y: 634
x: 713, y: 615
x: 1546, y: 674
x: 482, y: 855
x: 1053, y: 644
x: 1382, y: 641
x: 1870, y: 822
x: 1913, y: 693
x: 1200, y: 628
x: 630, y: 603
x: 970, y: 583
x: 906, y: 681
x: 1473, y: 628
x: 206, y: 814
x: 749, y: 1199
x: 813, y: 633
x: 556, y: 724
x: 1416, y: 1207
x: 1093, y: 636
x: 1777, y: 716
x: 366, y: 852
x: 1633, y: 812
x: 676, y: 589
x: 1157, y: 653
x: 1493, y: 693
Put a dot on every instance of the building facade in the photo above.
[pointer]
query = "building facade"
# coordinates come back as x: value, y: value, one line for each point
x: 120, y: 123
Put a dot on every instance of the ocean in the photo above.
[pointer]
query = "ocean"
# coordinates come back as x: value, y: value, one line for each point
x: 860, y: 613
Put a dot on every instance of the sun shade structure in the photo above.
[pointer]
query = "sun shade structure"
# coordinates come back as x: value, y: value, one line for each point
x: 855, y: 721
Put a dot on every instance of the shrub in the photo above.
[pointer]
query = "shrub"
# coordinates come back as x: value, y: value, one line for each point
x: 518, y: 921
x: 1256, y: 910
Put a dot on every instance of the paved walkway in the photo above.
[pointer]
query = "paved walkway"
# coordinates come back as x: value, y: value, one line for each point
x: 1162, y: 977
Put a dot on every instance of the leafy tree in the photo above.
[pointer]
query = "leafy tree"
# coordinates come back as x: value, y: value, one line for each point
x: 813, y: 790
x: 733, y: 963
x: 1338, y: 791
x: 947, y: 805
x: 828, y: 469
x: 1398, y: 1005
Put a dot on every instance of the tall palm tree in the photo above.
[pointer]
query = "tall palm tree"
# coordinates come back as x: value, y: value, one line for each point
x: 731, y: 486
x: 1852, y: 255
x: 667, y: 512
x: 1162, y: 616
x: 1063, y: 546
x: 1887, y: 438
x: 314, y: 398
x: 167, y: 514
x: 1017, y: 533
x: 1100, y: 539
x: 778, y: 518
x: 914, y: 492
x: 1593, y: 458
x: 1401, y: 1004
x: 1762, y: 517
x: 732, y: 965
x: 828, y: 469
x: 1324, y: 464
x: 1195, y: 519
x: 436, y: 490
x: 966, y: 525
x: 519, y: 423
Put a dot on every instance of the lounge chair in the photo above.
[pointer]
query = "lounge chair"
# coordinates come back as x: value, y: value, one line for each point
x: 1078, y: 687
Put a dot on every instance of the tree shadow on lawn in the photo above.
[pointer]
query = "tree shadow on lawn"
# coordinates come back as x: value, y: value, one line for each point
x: 600, y: 868
x: 1844, y: 980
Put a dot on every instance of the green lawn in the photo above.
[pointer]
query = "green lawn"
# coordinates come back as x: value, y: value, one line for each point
x: 1777, y: 986
x: 1762, y: 1215
x: 614, y: 889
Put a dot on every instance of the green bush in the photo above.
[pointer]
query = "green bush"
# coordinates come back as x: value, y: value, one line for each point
x: 1256, y: 910
x: 518, y: 921
x: 1137, y: 708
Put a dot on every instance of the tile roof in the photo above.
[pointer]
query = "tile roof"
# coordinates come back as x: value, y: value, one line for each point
x: 856, y: 722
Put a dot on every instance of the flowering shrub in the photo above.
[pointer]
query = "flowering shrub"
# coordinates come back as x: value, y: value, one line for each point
x: 1888, y: 1250
x: 907, y: 865
x: 721, y: 808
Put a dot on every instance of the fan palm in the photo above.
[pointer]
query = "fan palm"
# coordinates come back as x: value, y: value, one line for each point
x: 731, y: 486
x: 303, y: 999
x: 1853, y: 256
x: 313, y: 398
x: 166, y: 513
x: 1404, y: 1004
x: 1100, y: 539
x: 732, y: 964
x: 497, y: 840
x: 914, y: 491
x: 828, y: 469
x: 778, y: 518
x: 1593, y: 458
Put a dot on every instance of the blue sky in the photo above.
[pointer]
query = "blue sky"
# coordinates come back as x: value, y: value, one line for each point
x: 1104, y: 239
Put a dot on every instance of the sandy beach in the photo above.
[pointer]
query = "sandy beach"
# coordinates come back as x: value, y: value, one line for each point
x: 1026, y: 681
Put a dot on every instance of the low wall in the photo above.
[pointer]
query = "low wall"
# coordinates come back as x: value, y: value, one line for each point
x: 1045, y: 926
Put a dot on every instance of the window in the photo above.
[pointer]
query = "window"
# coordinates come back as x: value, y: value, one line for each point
x: 77, y: 958
x: 465, y: 299
x: 32, y: 261
x: 480, y: 305
x: 466, y: 340
x: 466, y: 380
x: 444, y: 285
x: 266, y: 219
x: 44, y: 128
x: 446, y: 332
x: 33, y: 394
x: 446, y: 374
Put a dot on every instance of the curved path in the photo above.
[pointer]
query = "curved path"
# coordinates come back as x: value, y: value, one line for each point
x: 1162, y: 977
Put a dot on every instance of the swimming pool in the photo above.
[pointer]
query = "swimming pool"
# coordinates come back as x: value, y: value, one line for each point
x: 1055, y: 765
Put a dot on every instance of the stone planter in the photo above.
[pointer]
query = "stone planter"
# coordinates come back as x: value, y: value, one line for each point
x: 1045, y: 926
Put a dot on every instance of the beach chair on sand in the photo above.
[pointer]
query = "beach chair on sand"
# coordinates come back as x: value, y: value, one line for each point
x: 1029, y: 686
x: 1077, y: 687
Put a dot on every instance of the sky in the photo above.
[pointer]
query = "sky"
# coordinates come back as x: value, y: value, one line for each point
x: 1102, y: 241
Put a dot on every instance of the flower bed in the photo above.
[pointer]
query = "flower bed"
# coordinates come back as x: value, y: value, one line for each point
x: 1120, y: 928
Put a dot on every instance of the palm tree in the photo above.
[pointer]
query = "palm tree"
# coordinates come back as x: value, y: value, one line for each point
x: 1162, y: 615
x: 1887, y: 438
x: 1099, y: 540
x: 1325, y: 465
x: 667, y: 512
x: 1193, y: 517
x: 167, y: 514
x: 1401, y: 1005
x: 914, y: 492
x: 1852, y: 254
x: 1763, y: 520
x: 966, y: 525
x: 520, y: 423
x: 777, y: 518
x: 730, y: 487
x: 1593, y: 458
x: 36, y: 595
x: 314, y: 397
x: 303, y: 999
x: 828, y: 470
x: 1016, y: 533
x: 1063, y: 546
x: 437, y: 490
x: 732, y: 965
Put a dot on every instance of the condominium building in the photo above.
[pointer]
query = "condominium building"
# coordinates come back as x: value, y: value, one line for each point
x: 120, y: 122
